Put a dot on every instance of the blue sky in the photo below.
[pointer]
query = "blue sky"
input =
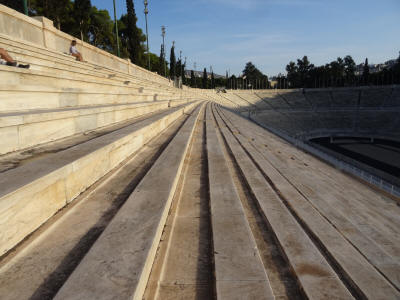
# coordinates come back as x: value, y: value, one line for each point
x: 225, y: 34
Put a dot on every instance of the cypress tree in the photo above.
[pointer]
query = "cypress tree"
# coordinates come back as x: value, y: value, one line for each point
x: 172, y: 63
x: 183, y: 73
x: 212, y: 80
x: 161, y: 65
x: 192, y: 79
x: 178, y: 68
x: 133, y: 34
x: 366, y: 72
x: 205, y: 78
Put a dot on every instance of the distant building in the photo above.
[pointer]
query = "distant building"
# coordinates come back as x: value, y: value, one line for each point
x: 199, y: 74
x: 374, y: 68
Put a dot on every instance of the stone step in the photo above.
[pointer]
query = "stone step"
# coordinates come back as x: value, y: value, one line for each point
x: 43, y: 62
x: 369, y: 270
x: 38, y: 267
x: 55, y: 67
x: 32, y: 193
x: 239, y: 269
x: 119, y: 263
x: 135, y: 71
x: 45, y: 58
x: 240, y: 103
x: 63, y: 63
x: 224, y: 101
x: 242, y: 100
x: 21, y: 130
x: 15, y: 98
x: 256, y: 103
x: 70, y: 80
x: 304, y: 257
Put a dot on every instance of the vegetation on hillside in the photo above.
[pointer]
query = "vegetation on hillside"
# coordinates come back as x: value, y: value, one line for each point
x: 338, y: 73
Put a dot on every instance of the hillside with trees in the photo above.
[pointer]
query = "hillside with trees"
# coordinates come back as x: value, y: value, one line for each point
x: 338, y: 73
x: 95, y: 26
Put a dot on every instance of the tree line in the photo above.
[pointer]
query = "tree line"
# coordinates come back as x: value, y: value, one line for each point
x: 251, y: 78
x: 338, y: 73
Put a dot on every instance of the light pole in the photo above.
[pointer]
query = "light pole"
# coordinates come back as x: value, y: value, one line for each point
x: 146, y: 11
x: 25, y: 3
x: 116, y: 29
x: 163, y: 42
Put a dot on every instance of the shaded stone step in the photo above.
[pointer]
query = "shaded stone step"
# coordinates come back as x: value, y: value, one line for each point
x: 239, y: 270
x: 119, y: 263
x: 43, y: 262
x: 21, y: 130
x: 330, y: 231
x: 32, y: 193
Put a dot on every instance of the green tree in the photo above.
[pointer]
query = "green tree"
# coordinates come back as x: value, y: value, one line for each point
x: 101, y: 30
x: 205, y: 79
x: 161, y: 65
x: 349, y: 69
x: 124, y: 33
x: 212, y: 80
x: 172, y: 61
x: 253, y: 75
x: 60, y: 12
x: 136, y: 52
x: 192, y: 79
x: 251, y: 72
x: 337, y: 69
x: 233, y: 83
x: 123, y: 36
x: 366, y: 72
x: 178, y: 68
x: 154, y: 62
x: 82, y: 9
x: 293, y: 74
x: 183, y: 73
x: 304, y: 66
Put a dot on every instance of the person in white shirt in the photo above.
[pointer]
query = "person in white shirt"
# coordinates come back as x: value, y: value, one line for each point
x: 74, y: 52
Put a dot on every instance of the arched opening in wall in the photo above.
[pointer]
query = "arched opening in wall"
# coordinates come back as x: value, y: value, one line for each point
x: 375, y: 155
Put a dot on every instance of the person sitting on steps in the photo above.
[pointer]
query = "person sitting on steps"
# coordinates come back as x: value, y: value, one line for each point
x: 10, y: 61
x: 74, y: 52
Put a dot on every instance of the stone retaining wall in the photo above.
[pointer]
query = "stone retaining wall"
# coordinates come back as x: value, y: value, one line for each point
x: 41, y: 31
